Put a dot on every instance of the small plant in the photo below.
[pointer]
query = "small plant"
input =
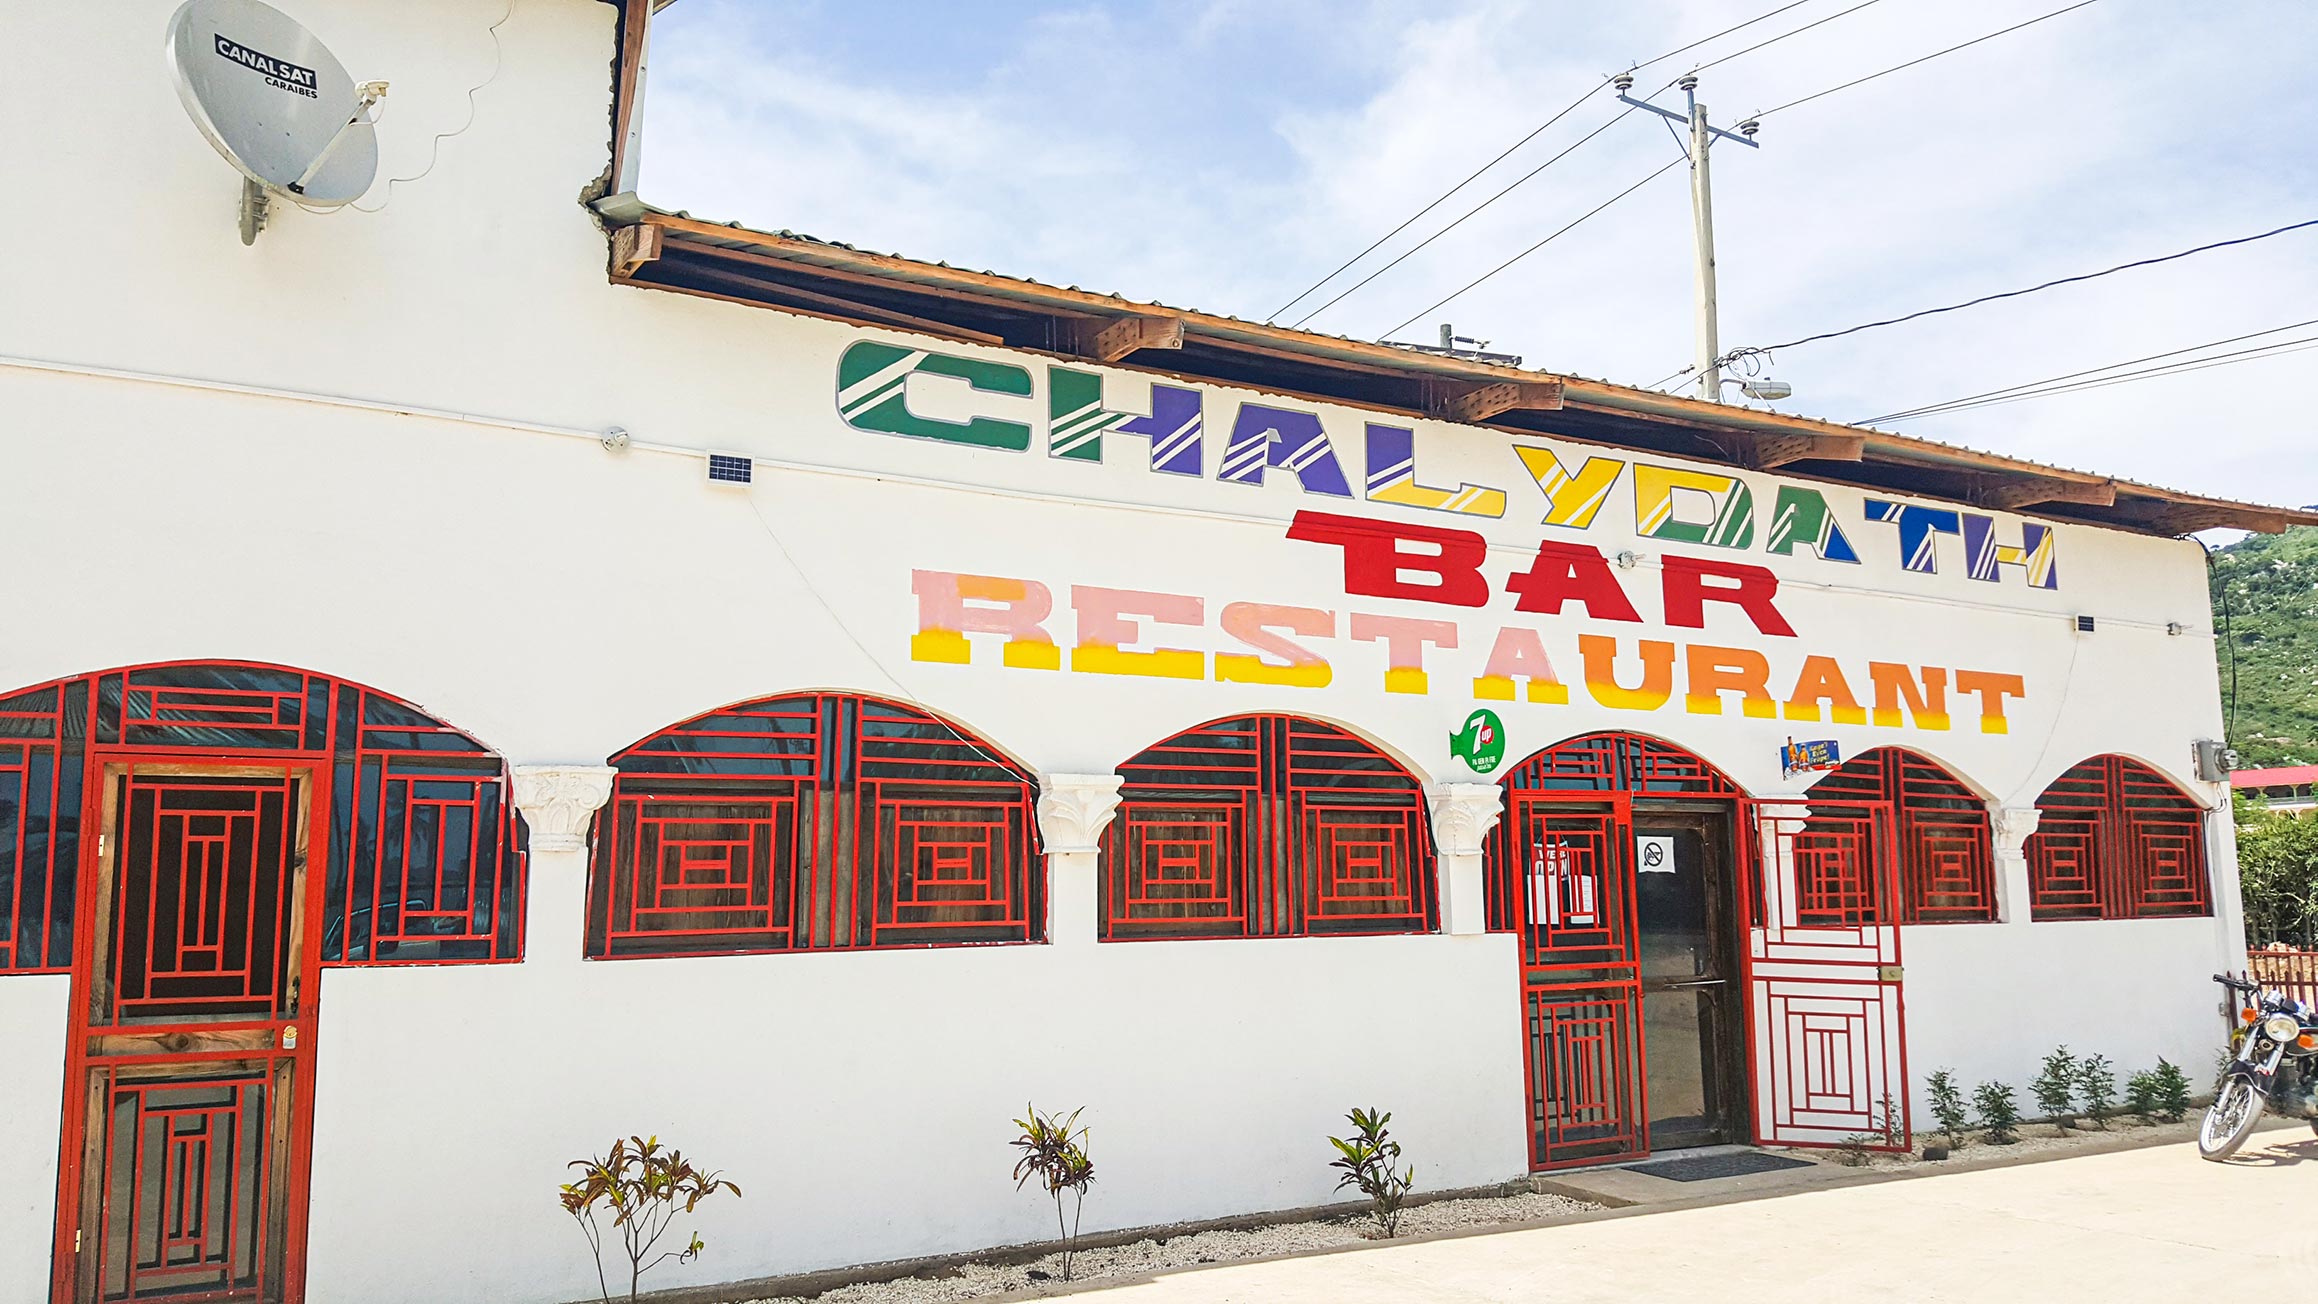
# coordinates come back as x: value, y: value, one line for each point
x: 1999, y: 1115
x: 645, y: 1187
x: 1369, y: 1160
x: 1852, y: 1151
x: 2141, y: 1094
x: 2055, y: 1087
x: 1947, y: 1106
x: 1894, y: 1131
x: 2172, y: 1091
x: 2097, y: 1086
x: 1057, y: 1157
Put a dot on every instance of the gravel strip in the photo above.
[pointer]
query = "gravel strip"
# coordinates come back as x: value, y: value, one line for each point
x: 978, y: 1279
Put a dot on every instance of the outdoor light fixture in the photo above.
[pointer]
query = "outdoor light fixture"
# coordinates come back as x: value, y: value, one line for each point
x: 1763, y: 388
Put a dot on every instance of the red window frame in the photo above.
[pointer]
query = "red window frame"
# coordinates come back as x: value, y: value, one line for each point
x: 2117, y: 840
x: 814, y: 822
x: 1945, y: 847
x: 423, y: 860
x: 1266, y: 826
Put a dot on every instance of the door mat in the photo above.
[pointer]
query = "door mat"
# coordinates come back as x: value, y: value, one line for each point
x: 1702, y: 1168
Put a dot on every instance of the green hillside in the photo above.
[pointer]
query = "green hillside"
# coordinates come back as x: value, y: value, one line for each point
x: 2272, y: 582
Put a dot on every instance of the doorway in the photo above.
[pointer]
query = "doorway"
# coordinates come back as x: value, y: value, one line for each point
x: 1686, y: 940
x: 186, y: 1121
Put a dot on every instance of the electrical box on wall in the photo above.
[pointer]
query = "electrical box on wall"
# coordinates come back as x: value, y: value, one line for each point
x: 2215, y: 760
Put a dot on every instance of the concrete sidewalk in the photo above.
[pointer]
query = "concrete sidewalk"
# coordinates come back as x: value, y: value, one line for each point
x: 2154, y: 1224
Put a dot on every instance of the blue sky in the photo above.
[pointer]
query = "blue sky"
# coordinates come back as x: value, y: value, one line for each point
x: 1224, y: 154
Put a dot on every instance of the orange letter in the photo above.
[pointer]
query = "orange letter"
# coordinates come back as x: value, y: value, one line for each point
x: 1104, y: 626
x: 1404, y: 647
x: 944, y: 619
x: 1600, y: 653
x: 1896, y: 684
x: 1992, y: 689
x: 1252, y: 623
x: 1821, y: 680
x: 1717, y: 670
x: 1519, y: 654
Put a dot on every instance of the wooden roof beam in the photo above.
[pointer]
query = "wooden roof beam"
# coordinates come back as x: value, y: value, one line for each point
x: 2011, y: 492
x: 1111, y: 340
x: 1769, y: 451
x: 634, y: 246
x: 1474, y: 404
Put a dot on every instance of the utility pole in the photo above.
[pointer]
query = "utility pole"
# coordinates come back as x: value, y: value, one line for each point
x: 1702, y: 137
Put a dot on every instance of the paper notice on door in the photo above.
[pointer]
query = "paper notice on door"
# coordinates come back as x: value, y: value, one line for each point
x: 1560, y: 893
x: 1653, y: 854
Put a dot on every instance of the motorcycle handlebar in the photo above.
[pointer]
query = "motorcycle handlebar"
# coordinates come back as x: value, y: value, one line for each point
x: 2236, y: 984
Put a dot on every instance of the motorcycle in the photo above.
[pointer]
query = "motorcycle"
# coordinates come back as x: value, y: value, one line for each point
x: 2273, y: 1064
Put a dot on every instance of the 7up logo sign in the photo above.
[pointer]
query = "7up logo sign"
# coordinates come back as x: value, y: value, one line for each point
x: 1481, y: 743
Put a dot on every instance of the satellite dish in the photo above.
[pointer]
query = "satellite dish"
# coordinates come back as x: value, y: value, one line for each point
x: 276, y: 103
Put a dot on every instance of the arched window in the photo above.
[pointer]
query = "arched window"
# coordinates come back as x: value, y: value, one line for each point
x: 422, y: 862
x: 1945, y: 856
x: 823, y: 821
x: 1266, y: 826
x: 2116, y: 840
x: 1603, y: 762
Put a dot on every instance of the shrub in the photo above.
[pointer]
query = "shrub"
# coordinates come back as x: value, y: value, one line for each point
x: 2172, y: 1091
x: 1895, y: 1133
x: 1369, y: 1160
x: 1999, y: 1115
x: 2097, y: 1086
x: 645, y: 1187
x: 2055, y: 1087
x: 1947, y: 1105
x: 1057, y: 1157
x: 1852, y: 1151
x: 2141, y: 1093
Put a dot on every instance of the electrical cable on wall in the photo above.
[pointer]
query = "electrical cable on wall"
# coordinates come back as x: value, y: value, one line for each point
x: 2229, y: 722
x: 435, y: 148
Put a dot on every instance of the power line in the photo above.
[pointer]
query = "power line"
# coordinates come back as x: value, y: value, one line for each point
x: 1534, y: 134
x: 1775, y: 40
x: 1931, y: 408
x: 2256, y: 354
x: 2014, y: 294
x: 1662, y: 171
x: 1927, y: 58
x: 1405, y: 254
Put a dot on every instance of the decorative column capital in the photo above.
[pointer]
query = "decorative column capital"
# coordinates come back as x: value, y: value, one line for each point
x: 1463, y: 814
x: 558, y: 800
x: 1073, y: 809
x: 2012, y: 826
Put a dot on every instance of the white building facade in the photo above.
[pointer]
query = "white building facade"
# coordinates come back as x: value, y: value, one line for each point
x: 1088, y: 719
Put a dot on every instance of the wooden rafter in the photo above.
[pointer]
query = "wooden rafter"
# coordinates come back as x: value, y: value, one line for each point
x: 634, y: 246
x: 1111, y: 340
x: 1474, y: 404
x: 2011, y: 492
x: 1763, y: 452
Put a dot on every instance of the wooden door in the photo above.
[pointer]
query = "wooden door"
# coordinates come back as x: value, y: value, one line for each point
x: 192, y: 988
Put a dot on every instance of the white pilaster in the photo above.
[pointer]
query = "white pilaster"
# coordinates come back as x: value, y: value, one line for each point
x: 2009, y: 829
x: 1463, y: 815
x: 558, y: 802
x: 1073, y: 811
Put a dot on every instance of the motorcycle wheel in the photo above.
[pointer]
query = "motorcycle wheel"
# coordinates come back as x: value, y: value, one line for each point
x: 2230, y: 1119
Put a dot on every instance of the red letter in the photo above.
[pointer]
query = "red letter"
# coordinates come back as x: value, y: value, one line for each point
x: 1375, y: 554
x: 1567, y: 571
x: 1751, y: 590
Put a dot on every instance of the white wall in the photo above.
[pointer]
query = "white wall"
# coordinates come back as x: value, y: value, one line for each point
x: 32, y: 1015
x: 1990, y: 1001
x: 560, y: 601
x: 863, y: 1100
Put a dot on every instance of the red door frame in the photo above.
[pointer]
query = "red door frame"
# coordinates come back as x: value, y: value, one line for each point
x: 99, y: 760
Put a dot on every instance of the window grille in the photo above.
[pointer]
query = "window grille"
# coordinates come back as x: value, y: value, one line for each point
x: 423, y: 862
x: 1603, y: 762
x: 1945, y: 854
x: 2116, y: 840
x: 1266, y: 826
x: 816, y: 822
